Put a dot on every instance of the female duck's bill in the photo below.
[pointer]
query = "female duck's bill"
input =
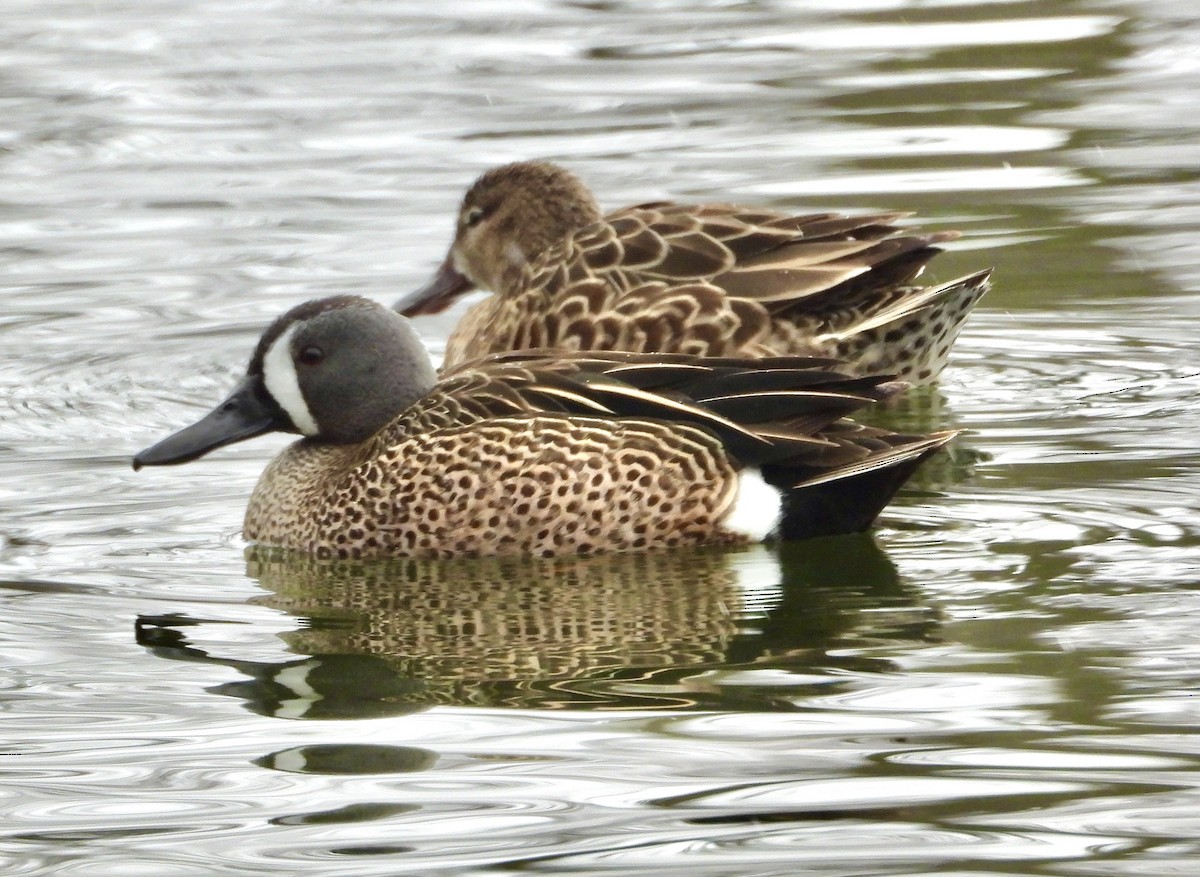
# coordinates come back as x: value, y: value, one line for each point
x: 709, y: 279
x: 542, y: 452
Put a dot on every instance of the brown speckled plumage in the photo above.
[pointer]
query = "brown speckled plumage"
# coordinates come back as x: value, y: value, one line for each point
x: 503, y: 457
x: 531, y: 485
x: 709, y: 279
x: 538, y: 452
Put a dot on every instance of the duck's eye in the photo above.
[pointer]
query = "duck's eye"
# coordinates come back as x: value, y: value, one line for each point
x: 473, y: 216
x: 311, y: 355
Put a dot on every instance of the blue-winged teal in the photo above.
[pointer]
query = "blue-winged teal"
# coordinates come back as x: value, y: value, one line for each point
x: 541, y: 452
x: 708, y: 279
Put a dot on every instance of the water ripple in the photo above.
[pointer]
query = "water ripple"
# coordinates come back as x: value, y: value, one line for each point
x: 1002, y: 679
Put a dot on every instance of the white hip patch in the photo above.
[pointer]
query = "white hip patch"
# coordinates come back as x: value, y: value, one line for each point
x: 757, y: 508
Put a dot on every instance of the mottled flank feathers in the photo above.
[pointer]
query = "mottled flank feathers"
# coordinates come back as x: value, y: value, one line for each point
x: 708, y: 279
x: 539, y: 452
x: 546, y: 454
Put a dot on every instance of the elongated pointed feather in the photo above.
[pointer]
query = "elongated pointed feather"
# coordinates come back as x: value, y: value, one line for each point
x: 804, y: 253
x: 622, y: 395
x: 782, y: 404
x: 579, y: 400
x: 909, y: 305
x: 910, y: 451
x: 771, y: 284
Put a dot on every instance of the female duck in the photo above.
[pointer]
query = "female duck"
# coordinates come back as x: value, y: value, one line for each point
x: 540, y: 452
x: 706, y: 279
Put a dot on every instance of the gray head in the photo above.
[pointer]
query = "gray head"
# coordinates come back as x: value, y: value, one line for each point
x: 336, y: 370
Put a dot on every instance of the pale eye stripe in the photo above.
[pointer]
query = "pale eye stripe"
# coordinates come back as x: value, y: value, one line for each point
x: 279, y: 374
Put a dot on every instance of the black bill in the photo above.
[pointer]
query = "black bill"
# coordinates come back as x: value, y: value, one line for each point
x: 243, y: 415
x: 439, y: 293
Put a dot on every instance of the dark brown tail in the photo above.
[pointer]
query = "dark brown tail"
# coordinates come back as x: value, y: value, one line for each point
x: 849, y: 499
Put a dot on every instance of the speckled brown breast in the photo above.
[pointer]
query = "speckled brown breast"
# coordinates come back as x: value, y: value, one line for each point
x: 522, y: 485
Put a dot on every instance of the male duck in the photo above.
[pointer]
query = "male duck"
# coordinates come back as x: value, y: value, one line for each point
x: 540, y: 452
x: 707, y: 279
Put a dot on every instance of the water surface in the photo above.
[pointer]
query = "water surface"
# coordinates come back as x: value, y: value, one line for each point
x: 1000, y: 681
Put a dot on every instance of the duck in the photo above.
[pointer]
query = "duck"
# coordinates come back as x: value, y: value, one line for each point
x: 541, y: 452
x: 702, y: 279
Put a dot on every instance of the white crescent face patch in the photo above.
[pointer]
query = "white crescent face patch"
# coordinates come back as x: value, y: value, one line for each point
x: 279, y: 374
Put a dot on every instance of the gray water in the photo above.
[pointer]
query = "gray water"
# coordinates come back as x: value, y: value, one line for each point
x: 1003, y: 680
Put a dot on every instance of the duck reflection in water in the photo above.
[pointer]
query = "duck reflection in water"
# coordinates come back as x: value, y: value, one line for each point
x: 656, y: 630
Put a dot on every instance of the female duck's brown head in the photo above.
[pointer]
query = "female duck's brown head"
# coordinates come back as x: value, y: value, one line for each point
x: 509, y: 216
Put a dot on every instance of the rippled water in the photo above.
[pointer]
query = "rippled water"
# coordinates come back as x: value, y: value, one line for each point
x: 1002, y: 681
